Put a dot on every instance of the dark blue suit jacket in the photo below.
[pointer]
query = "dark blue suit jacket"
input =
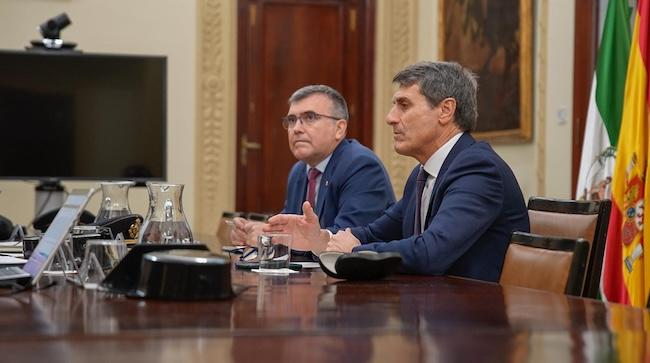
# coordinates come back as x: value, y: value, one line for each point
x: 475, y: 207
x: 354, y: 189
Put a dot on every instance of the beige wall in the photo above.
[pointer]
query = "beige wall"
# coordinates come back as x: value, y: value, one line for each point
x: 158, y: 27
x: 559, y: 102
x: 199, y: 36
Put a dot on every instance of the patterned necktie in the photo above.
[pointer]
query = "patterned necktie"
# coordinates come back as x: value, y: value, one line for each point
x: 311, y: 186
x: 420, y: 181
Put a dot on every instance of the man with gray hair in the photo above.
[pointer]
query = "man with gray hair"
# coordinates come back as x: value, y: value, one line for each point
x: 459, y: 206
x: 343, y: 181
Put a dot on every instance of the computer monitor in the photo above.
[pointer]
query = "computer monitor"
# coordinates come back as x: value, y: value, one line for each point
x: 82, y: 116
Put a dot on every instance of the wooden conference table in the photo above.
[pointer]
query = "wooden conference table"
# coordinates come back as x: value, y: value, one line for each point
x: 309, y: 317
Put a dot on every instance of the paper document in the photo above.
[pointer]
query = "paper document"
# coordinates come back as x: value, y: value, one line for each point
x: 11, y: 246
x: 9, y: 260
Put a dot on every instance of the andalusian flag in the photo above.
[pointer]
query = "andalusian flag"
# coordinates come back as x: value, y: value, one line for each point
x: 626, y: 276
x: 606, y: 100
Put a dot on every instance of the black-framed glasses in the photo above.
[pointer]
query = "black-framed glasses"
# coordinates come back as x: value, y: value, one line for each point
x: 307, y: 118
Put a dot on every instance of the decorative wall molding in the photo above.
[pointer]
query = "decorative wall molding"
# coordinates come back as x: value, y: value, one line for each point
x: 396, y: 47
x: 215, y: 126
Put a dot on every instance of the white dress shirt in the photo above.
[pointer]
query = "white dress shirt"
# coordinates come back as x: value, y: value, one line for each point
x: 432, y: 167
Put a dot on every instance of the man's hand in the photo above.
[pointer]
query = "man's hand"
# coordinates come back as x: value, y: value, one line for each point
x: 305, y: 229
x: 343, y: 241
x: 245, y: 232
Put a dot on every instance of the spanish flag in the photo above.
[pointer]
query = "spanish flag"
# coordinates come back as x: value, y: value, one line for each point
x: 626, y: 276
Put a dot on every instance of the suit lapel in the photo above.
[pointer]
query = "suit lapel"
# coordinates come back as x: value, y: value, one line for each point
x: 301, y: 189
x: 408, y: 213
x: 324, y: 187
x: 465, y: 141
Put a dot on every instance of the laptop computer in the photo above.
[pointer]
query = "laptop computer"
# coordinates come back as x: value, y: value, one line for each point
x: 50, y: 241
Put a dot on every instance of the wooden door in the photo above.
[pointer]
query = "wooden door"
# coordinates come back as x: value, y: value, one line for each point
x: 282, y: 46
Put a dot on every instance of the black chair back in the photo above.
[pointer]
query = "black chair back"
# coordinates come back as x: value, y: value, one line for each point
x: 575, y: 219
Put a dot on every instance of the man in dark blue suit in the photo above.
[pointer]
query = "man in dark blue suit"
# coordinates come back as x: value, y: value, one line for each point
x: 344, y: 180
x: 460, y: 205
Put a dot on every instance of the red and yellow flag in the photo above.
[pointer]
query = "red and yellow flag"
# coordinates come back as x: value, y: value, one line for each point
x: 626, y: 276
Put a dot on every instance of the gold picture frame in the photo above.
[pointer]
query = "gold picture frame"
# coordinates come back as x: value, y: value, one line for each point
x: 494, y: 40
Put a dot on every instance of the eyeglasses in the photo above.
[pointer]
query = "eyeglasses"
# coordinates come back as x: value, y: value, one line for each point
x: 307, y: 118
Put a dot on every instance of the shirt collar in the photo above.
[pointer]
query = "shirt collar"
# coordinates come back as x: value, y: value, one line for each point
x: 433, y: 165
x: 320, y: 166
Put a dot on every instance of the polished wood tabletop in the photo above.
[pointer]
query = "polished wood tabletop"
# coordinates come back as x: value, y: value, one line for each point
x: 309, y: 317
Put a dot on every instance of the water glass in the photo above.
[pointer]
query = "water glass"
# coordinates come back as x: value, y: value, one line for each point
x: 274, y: 250
x: 29, y: 245
x: 100, y: 258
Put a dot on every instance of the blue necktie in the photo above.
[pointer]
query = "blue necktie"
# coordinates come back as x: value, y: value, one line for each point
x: 420, y: 181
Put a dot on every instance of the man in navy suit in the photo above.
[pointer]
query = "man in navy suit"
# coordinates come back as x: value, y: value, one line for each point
x: 344, y: 180
x: 460, y: 204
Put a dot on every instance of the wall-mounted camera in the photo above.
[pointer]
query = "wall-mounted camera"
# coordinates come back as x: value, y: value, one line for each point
x: 51, y: 32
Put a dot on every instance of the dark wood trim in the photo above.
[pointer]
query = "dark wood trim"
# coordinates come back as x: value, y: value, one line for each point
x: 242, y: 86
x: 367, y: 88
x: 584, y: 64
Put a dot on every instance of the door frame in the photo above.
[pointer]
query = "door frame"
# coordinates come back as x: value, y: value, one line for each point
x: 584, y: 65
x: 248, y: 13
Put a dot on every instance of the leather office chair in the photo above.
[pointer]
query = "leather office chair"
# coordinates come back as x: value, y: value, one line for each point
x: 546, y: 263
x: 575, y: 219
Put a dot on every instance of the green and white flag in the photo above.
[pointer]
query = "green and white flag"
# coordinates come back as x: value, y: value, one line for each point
x: 605, y: 104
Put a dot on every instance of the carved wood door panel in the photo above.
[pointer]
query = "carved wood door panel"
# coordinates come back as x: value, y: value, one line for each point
x: 282, y: 46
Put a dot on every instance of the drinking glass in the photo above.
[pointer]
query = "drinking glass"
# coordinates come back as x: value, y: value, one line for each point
x: 274, y: 250
x: 100, y: 258
x: 29, y: 245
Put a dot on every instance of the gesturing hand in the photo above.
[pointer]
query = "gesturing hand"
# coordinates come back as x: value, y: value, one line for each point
x: 305, y: 229
x: 245, y: 232
x: 343, y: 241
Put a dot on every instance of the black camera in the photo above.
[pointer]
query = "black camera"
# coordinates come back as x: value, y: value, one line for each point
x: 51, y: 28
x: 51, y: 32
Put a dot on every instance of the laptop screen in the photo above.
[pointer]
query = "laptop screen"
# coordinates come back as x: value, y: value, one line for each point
x: 57, y: 231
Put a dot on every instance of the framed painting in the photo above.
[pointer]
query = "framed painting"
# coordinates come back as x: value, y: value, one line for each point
x: 494, y: 40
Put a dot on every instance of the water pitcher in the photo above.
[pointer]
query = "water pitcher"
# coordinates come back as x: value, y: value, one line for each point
x: 115, y: 201
x: 165, y: 222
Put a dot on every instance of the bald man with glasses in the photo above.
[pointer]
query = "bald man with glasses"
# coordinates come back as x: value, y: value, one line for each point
x: 344, y: 182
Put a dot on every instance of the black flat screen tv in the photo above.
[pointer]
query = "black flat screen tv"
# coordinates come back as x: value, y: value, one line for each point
x: 82, y: 116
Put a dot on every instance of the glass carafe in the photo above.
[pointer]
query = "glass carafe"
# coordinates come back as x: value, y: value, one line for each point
x: 115, y: 201
x: 165, y: 222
